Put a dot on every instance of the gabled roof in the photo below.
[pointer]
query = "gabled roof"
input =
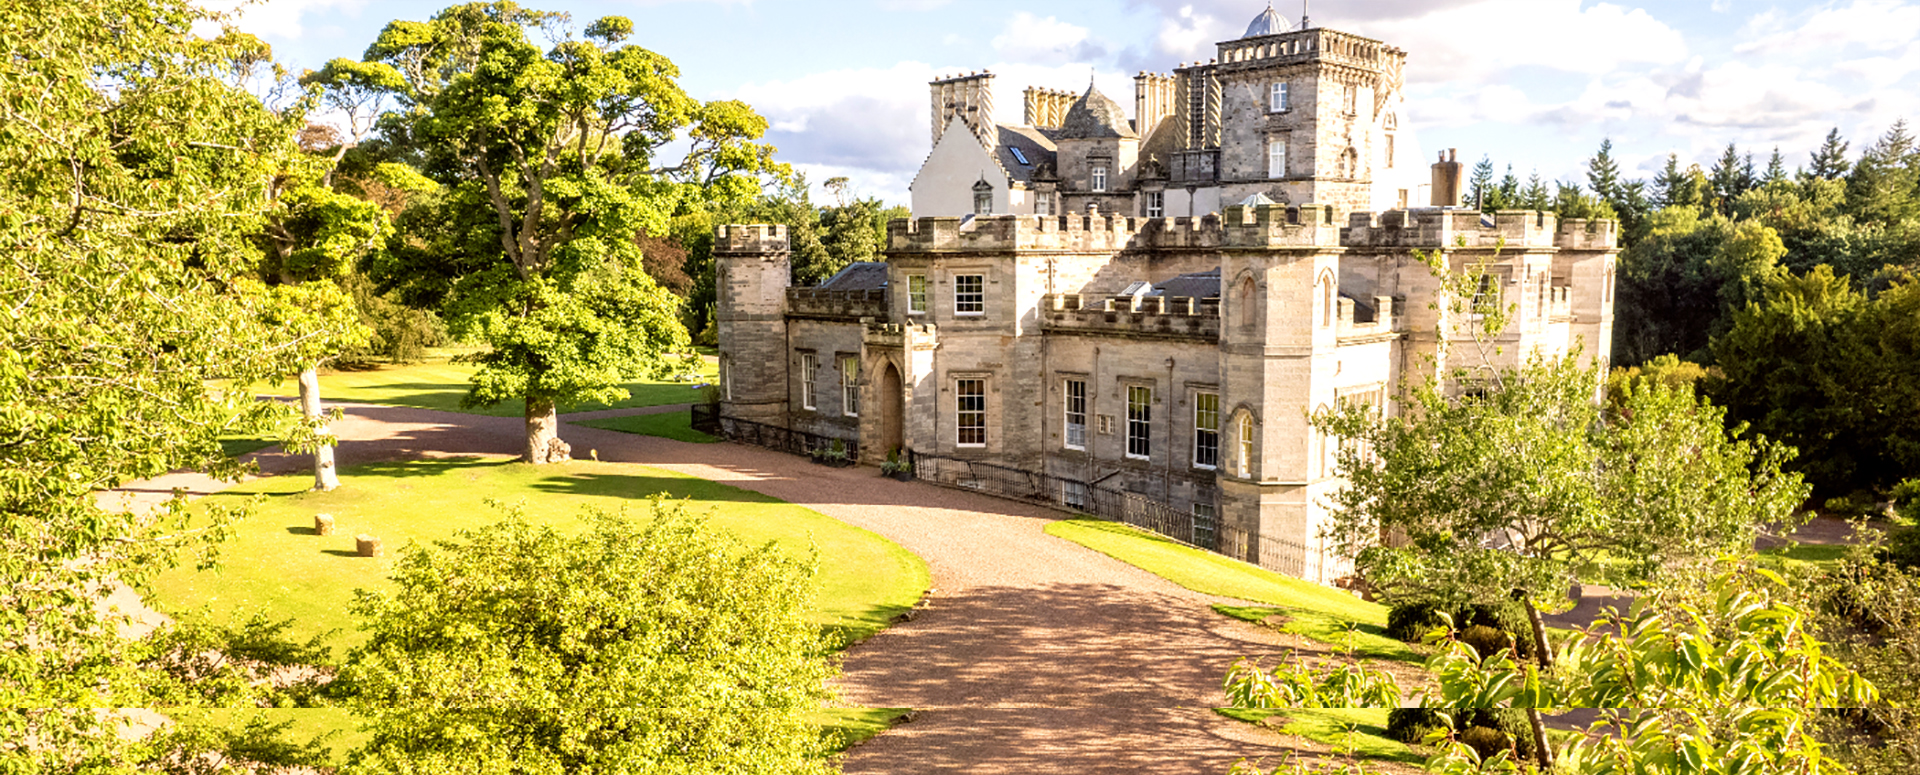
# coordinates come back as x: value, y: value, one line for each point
x: 858, y: 276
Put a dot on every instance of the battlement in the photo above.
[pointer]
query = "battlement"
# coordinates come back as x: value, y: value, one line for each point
x: 1277, y: 226
x: 1353, y: 326
x: 846, y: 305
x: 1152, y: 316
x: 751, y: 239
x: 1003, y: 233
x: 1433, y: 229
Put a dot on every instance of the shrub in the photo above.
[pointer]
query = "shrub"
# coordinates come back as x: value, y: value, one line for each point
x: 1410, y: 622
x: 1412, y: 725
x: 1511, y: 723
x: 1486, y: 741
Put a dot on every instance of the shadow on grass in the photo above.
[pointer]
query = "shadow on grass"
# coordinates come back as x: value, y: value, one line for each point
x: 641, y: 486
x: 341, y: 553
x: 302, y: 531
x: 1368, y: 641
x: 423, y: 469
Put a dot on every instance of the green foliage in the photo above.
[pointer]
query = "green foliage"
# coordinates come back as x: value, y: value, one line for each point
x: 1870, y: 611
x: 646, y: 649
x: 134, y: 179
x: 1505, y: 624
x: 1820, y: 366
x: 1667, y: 370
x: 1682, y: 280
x: 1532, y: 486
x: 1324, y: 684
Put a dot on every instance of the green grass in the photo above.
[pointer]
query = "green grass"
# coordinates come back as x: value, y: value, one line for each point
x: 276, y: 563
x: 439, y: 384
x: 1312, y: 611
x: 849, y: 727
x: 237, y: 446
x: 1809, y: 554
x: 677, y: 426
x: 1367, y: 641
x: 1364, y: 730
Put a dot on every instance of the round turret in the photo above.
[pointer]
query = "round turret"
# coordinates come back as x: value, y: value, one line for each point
x: 1267, y: 23
x: 1096, y: 117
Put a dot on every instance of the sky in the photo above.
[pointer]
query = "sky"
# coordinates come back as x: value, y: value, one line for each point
x: 1535, y: 84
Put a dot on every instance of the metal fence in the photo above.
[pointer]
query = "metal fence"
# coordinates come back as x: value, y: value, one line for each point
x: 1198, y: 530
x: 707, y: 419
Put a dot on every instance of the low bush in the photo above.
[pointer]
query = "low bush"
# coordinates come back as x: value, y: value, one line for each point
x: 1486, y: 729
x: 1485, y: 627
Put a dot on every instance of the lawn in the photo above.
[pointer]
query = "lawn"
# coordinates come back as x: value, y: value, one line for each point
x: 1363, y: 731
x: 1321, y: 613
x: 276, y: 563
x: 677, y: 426
x: 440, y: 384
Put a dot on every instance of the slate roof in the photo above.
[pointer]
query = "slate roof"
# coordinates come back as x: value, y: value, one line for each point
x: 1202, y: 285
x: 1096, y: 117
x: 1035, y: 144
x: 858, y: 276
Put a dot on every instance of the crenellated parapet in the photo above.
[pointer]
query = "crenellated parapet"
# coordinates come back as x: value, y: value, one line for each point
x: 1142, y: 316
x: 840, y: 305
x: 1277, y: 226
x: 751, y: 240
x: 1356, y: 328
x: 1008, y: 233
x: 1454, y: 229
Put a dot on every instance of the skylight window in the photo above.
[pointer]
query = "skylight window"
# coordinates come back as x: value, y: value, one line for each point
x: 1021, y: 157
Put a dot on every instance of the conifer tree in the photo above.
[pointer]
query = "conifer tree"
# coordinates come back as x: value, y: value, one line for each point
x: 1509, y: 190
x: 1729, y: 178
x: 1882, y: 188
x: 1830, y: 162
x: 1669, y: 187
x: 1480, y: 186
x: 1776, y: 167
x: 1537, y: 197
x: 1603, y: 173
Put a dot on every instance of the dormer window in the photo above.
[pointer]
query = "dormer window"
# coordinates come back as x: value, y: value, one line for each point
x: 1099, y: 176
x: 983, y: 198
x: 1279, y: 101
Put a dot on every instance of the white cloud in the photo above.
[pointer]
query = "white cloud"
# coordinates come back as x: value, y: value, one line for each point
x: 281, y: 19
x: 1190, y: 34
x: 1877, y: 25
x: 1028, y: 38
x: 1484, y: 39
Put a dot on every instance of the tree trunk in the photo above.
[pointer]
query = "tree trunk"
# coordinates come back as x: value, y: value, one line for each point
x: 543, y: 433
x: 1541, y: 752
x: 325, y: 478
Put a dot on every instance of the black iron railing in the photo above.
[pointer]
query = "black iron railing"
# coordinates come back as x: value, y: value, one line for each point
x: 1198, y: 530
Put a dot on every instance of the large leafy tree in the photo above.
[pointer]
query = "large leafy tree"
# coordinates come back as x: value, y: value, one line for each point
x: 661, y: 647
x: 549, y: 167
x: 134, y: 183
x: 1822, y: 366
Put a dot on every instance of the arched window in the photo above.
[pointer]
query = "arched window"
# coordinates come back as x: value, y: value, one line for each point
x: 1244, y: 309
x: 1243, y: 448
x: 726, y: 377
x: 1329, y: 301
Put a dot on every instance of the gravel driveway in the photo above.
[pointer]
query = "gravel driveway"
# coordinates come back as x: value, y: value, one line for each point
x: 1031, y: 655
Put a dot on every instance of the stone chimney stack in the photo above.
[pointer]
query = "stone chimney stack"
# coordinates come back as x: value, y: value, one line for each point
x: 1446, y: 179
x: 1047, y: 108
x: 968, y: 96
x: 1153, y: 102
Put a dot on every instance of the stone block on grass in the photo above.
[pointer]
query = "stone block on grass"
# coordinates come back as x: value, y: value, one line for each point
x: 323, y: 524
x: 369, y: 546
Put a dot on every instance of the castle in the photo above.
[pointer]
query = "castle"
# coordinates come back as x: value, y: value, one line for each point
x: 1085, y: 309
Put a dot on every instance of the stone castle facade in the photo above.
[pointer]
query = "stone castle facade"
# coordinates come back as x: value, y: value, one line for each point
x: 1176, y: 358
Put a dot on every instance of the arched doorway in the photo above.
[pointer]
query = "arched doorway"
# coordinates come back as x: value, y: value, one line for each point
x: 893, y: 403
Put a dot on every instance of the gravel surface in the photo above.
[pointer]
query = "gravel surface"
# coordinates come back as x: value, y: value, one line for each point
x: 1030, y: 655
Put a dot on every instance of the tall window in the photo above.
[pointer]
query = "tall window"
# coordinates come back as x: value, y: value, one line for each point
x: 1276, y: 158
x: 970, y: 294
x: 1243, y: 462
x: 983, y: 203
x: 1076, y: 414
x: 1099, y: 177
x: 1043, y: 203
x: 1329, y: 302
x: 916, y: 294
x: 1206, y: 430
x: 971, y: 418
x: 1353, y: 99
x: 809, y: 363
x: 1390, y: 163
x: 1139, y: 422
x: 1156, y: 204
x: 1486, y: 296
x: 1279, y: 101
x: 850, y: 385
x: 1205, y: 523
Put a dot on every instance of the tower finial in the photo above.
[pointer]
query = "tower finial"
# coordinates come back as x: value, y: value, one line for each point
x: 1304, y: 22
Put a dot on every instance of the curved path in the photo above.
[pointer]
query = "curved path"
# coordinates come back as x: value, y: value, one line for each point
x: 1031, y: 654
